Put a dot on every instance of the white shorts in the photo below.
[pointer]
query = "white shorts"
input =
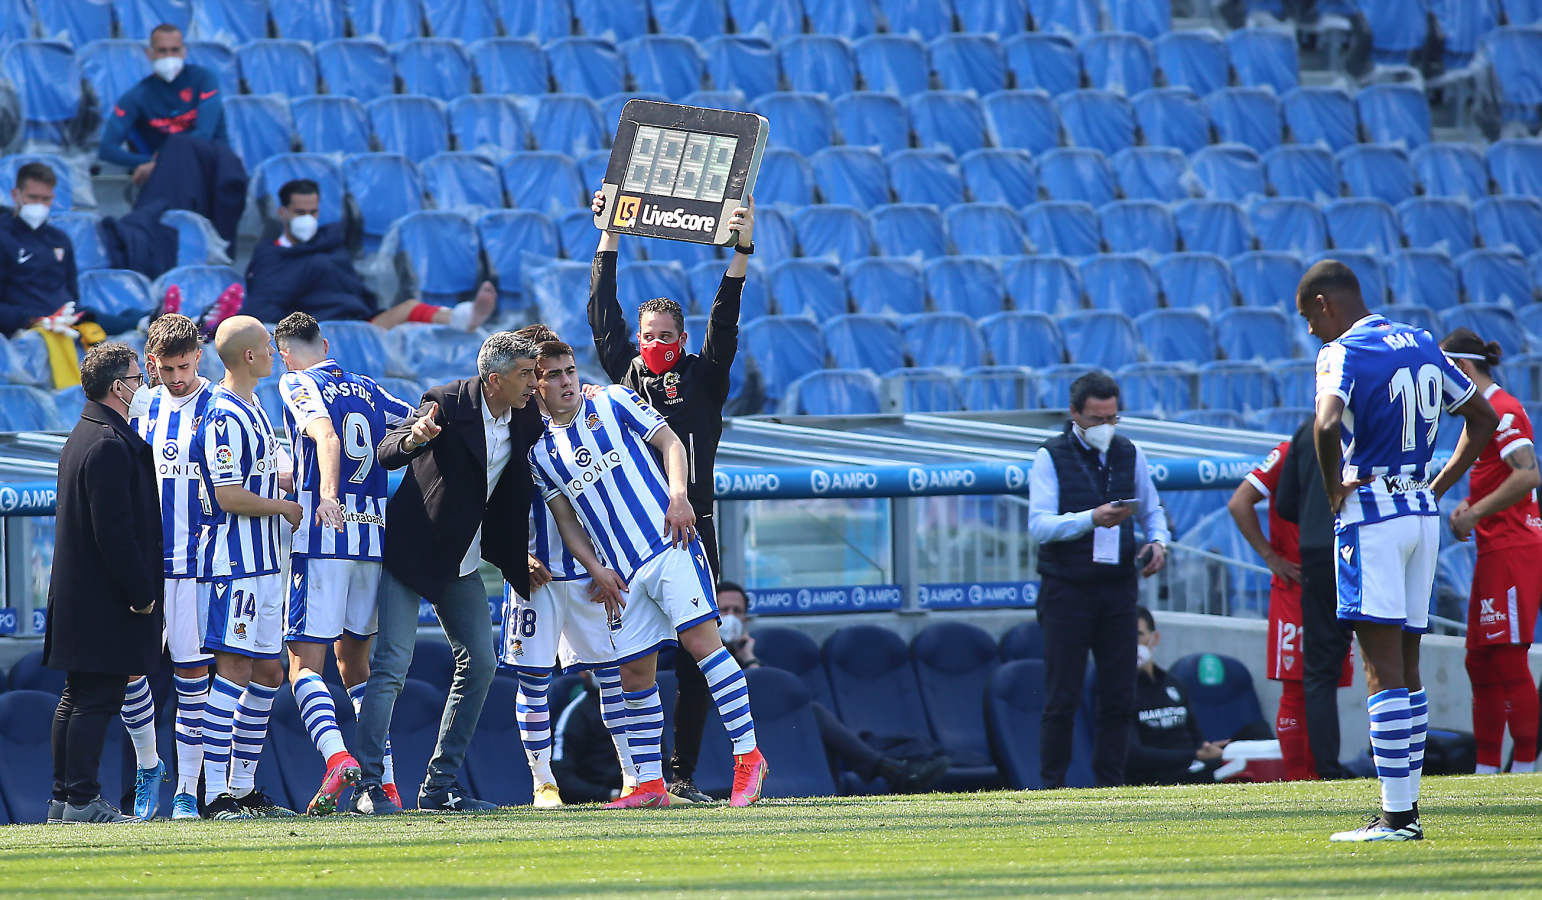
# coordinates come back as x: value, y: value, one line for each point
x: 1385, y: 571
x: 559, y: 625
x: 329, y: 598
x: 187, y: 618
x: 679, y: 583
x: 246, y: 615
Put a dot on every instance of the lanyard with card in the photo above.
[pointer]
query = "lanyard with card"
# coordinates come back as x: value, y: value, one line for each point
x: 1105, y: 539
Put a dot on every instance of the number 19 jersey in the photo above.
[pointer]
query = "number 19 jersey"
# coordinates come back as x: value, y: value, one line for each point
x: 360, y: 411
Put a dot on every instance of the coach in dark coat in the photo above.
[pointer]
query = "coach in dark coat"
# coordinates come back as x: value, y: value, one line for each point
x: 104, y: 622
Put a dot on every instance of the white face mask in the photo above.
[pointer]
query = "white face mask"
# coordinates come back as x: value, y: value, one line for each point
x: 34, y: 214
x: 731, y: 630
x: 1142, y: 655
x: 139, y: 404
x: 168, y: 67
x: 1098, y: 437
x: 303, y: 228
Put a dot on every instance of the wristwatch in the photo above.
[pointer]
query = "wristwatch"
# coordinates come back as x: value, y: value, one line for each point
x: 747, y: 251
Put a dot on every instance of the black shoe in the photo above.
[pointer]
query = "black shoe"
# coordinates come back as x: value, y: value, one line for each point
x: 223, y: 808
x: 453, y: 798
x: 687, y: 789
x: 372, y: 800
x: 258, y: 806
x: 920, y: 774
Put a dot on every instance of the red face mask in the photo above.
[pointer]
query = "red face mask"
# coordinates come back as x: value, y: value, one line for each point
x: 660, y: 357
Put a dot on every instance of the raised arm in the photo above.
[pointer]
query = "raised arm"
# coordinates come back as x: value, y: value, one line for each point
x: 402, y: 444
x: 606, y: 321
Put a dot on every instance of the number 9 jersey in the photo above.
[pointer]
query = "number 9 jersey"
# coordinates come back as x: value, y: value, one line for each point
x: 360, y: 412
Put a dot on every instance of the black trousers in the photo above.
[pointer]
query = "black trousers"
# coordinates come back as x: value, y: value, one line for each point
x: 692, y: 701
x: 91, y: 700
x: 1324, y: 641
x: 844, y: 745
x: 1077, y: 617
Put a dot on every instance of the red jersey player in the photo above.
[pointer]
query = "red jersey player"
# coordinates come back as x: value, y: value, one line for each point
x: 1282, y: 553
x: 1507, y: 583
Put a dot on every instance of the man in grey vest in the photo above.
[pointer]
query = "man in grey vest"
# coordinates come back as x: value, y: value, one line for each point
x: 1087, y: 487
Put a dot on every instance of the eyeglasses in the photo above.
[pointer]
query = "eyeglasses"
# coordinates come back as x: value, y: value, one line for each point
x: 128, y: 378
x: 1100, y: 420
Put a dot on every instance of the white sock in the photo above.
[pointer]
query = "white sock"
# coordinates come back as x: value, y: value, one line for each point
x: 192, y: 695
x: 532, y: 710
x: 613, y: 713
x: 645, y: 732
x: 138, y: 715
x: 251, y: 730
x: 1521, y: 767
x: 219, y: 714
x: 1389, y: 747
x: 387, y: 769
x: 460, y: 315
x: 1486, y: 770
x: 1418, y: 730
x: 725, y: 680
x: 319, y: 715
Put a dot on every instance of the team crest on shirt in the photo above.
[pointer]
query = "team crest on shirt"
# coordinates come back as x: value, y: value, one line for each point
x: 59, y: 254
x: 592, y: 421
x: 240, y: 629
x: 517, y: 649
x: 672, y: 385
x: 186, y: 95
x: 1173, y: 693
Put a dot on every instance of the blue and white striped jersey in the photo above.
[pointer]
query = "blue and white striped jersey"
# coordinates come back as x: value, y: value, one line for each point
x: 169, y: 428
x: 236, y: 445
x: 546, y: 543
x: 360, y: 411
x: 1394, y: 380
x: 601, y: 462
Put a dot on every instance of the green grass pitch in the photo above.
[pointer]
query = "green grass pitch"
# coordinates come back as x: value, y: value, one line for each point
x: 1215, y: 841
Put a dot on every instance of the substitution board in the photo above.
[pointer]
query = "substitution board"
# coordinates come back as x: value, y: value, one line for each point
x: 678, y: 172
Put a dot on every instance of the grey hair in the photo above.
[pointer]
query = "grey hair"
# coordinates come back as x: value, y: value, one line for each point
x: 502, y: 351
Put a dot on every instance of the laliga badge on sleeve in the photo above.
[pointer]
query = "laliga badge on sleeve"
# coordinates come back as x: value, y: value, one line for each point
x: 678, y: 172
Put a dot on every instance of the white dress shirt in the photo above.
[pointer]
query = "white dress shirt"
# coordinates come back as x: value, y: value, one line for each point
x: 1046, y: 523
x: 499, y: 445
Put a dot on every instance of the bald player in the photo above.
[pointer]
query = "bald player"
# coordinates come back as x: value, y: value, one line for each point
x: 245, y: 475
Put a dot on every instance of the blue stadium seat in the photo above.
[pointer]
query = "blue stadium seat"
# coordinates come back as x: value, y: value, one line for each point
x: 1151, y: 173
x: 1137, y: 226
x: 864, y: 341
x: 1394, y: 114
x: 28, y: 409
x: 64, y: 193
x: 1101, y: 338
x: 1049, y: 62
x: 1025, y: 640
x: 115, y: 292
x: 964, y: 284
x: 1229, y: 172
x: 851, y: 176
x: 1516, y: 166
x: 1362, y: 224
x: 1018, y: 338
x: 944, y: 339
x: 201, y: 286
x: 1003, y: 17
x: 925, y: 176
x: 1023, y: 120
x: 322, y: 20
x: 1046, y: 284
x: 1495, y: 323
x: 26, y: 718
x: 507, y: 234
x: 69, y: 403
x: 1510, y: 222
x: 1073, y: 17
x: 833, y: 392
x: 47, y: 80
x: 886, y: 285
x: 570, y: 124
x: 331, y: 124
x: 1001, y: 176
x: 782, y: 702
x: 1251, y: 333
x: 490, y: 125
x: 543, y: 181
x: 1379, y: 171
x: 1234, y: 385
x: 611, y: 19
x: 731, y: 98
x: 783, y: 347
x: 259, y: 127
x: 277, y: 67
x: 808, y: 120
x: 785, y: 178
x: 1296, y: 226
x: 1451, y: 170
x: 686, y: 17
x: 833, y: 232
x: 1512, y: 53
x: 137, y: 17
x: 1120, y: 281
x: 1267, y: 279
x: 926, y: 19
x: 999, y: 388
x: 1264, y: 57
x: 920, y: 390
x: 968, y: 62
x: 1295, y: 170
x: 387, y: 20
x: 1321, y: 115
x: 1222, y: 707
x: 1063, y: 228
x: 773, y: 231
x: 515, y: 66
x: 1163, y: 388
x: 954, y: 662
x: 1098, y: 119
x: 1213, y: 226
x: 29, y: 674
x: 1463, y: 23
x: 793, y: 651
x: 948, y: 119
x: 462, y: 20
x: 1196, y: 59
x: 1495, y: 277
x: 110, y: 68
x: 1283, y: 420
x: 435, y: 352
x: 893, y: 64
x: 462, y: 180
x: 1172, y: 117
x: 589, y: 66
x: 414, y: 126
x: 1175, y: 336
x: 441, y: 252
x: 76, y: 24
x: 1246, y: 115
x: 754, y: 300
x: 575, y: 231
x: 26, y: 360
x: 360, y: 67
x: 321, y: 168
x: 746, y: 63
x: 847, y: 18
x: 1119, y: 62
x: 986, y: 229
x: 1425, y: 278
x: 385, y: 187
x: 85, y: 240
x: 1367, y: 268
x: 1200, y: 281
x: 1438, y: 222
x: 1014, y: 708
x: 433, y: 67
x: 1056, y: 382
x: 668, y: 64
x: 868, y: 119
x: 656, y: 279
x: 1077, y: 174
x: 874, y: 686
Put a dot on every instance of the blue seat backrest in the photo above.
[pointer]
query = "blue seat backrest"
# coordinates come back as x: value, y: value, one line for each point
x: 29, y: 674
x: 360, y: 66
x: 1025, y: 640
x: 432, y: 663
x: 1221, y: 692
x: 794, y: 651
x: 1324, y: 115
x: 26, y: 718
x: 954, y: 662
x: 1014, y: 706
x: 873, y: 683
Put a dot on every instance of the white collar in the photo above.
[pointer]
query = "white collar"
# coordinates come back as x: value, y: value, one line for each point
x: 488, y: 419
x: 1491, y: 390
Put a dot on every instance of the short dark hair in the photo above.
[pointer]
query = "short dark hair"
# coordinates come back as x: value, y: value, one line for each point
x: 173, y: 334
x: 1144, y: 615
x: 299, y: 327
x: 163, y: 28
x: 662, y: 305
x: 726, y: 585
x: 297, y: 186
x: 1465, y: 340
x: 42, y: 173
x: 1330, y: 278
x: 552, y: 350
x: 103, y: 364
x: 1093, y: 386
x: 536, y: 333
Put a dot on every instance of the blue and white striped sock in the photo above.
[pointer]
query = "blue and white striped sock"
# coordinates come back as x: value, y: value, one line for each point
x: 645, y: 732
x: 726, y: 682
x: 219, y: 715
x: 1389, y: 747
x: 319, y: 715
x: 532, y: 710
x: 387, y: 768
x: 1418, y: 729
x: 251, y: 730
x: 192, y: 694
x: 613, y: 713
x: 139, y: 718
